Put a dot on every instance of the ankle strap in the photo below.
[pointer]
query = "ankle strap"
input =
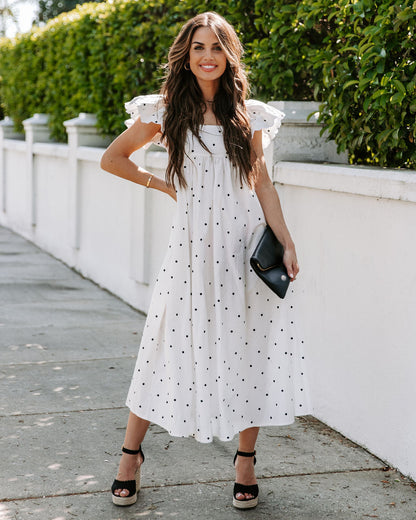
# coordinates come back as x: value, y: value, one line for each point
x: 131, y: 452
x: 246, y: 454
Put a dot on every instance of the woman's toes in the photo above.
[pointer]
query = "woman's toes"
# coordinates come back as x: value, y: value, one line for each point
x: 244, y: 496
x: 121, y: 492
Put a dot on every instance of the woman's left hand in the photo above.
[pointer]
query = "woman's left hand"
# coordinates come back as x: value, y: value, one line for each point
x: 291, y: 263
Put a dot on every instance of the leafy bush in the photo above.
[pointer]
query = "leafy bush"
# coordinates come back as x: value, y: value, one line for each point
x: 281, y: 51
x: 357, y: 57
x: 368, y: 66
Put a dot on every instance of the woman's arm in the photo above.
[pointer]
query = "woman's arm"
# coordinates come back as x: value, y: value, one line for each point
x: 116, y: 158
x: 270, y: 203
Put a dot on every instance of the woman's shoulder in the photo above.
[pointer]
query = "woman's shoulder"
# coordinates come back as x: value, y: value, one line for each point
x: 149, y: 108
x: 264, y: 117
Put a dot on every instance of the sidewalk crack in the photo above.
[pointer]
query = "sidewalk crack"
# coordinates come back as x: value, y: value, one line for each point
x: 182, y: 484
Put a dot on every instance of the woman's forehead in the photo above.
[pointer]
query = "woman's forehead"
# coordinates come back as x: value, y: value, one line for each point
x: 204, y: 35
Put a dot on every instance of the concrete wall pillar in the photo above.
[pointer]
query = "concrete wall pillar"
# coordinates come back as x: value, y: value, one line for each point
x: 299, y: 137
x: 37, y: 131
x: 82, y: 131
x: 7, y: 131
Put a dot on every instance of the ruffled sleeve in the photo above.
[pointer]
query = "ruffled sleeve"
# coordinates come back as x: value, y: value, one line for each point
x: 264, y: 117
x: 150, y: 109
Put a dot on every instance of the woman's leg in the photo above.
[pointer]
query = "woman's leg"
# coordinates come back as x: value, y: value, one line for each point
x: 135, y: 432
x: 244, y: 466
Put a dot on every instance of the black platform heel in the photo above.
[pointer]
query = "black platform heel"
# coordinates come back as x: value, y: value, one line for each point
x: 132, y: 486
x: 245, y: 503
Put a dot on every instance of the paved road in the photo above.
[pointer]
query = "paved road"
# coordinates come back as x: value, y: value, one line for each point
x: 67, y: 354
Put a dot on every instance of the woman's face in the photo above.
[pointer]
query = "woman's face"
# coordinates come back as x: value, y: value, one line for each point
x: 207, y: 59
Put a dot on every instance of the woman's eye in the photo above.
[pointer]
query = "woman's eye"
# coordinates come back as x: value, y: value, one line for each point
x: 198, y: 47
x: 218, y: 48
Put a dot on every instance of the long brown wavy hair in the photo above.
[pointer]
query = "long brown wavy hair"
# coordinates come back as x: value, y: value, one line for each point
x: 185, y: 105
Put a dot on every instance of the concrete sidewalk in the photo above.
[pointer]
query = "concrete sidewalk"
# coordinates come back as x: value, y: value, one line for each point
x: 67, y: 354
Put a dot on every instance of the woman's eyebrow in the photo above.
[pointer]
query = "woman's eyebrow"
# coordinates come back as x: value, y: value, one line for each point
x: 200, y: 43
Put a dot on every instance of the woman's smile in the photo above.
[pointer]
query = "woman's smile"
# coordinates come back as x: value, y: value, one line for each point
x: 208, y: 68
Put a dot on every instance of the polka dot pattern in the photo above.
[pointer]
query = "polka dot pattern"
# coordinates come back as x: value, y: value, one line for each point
x: 220, y: 352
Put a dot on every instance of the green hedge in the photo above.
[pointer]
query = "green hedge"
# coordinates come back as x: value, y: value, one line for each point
x: 357, y: 57
x: 368, y: 67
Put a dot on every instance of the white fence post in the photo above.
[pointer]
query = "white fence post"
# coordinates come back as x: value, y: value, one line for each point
x: 82, y: 131
x: 37, y: 131
x: 6, y: 132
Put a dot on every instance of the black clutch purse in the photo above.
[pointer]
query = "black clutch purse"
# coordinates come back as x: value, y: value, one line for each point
x: 267, y: 263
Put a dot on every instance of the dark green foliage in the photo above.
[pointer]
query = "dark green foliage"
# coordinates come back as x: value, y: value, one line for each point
x: 368, y: 67
x: 281, y: 51
x: 356, y: 56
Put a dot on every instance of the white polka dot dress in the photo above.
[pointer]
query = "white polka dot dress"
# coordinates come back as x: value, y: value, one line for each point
x: 220, y: 351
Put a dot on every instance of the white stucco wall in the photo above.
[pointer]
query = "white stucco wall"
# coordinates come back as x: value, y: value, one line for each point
x: 358, y: 254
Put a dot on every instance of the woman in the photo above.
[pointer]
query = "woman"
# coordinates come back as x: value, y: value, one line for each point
x: 219, y: 353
